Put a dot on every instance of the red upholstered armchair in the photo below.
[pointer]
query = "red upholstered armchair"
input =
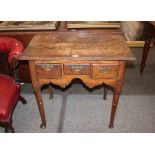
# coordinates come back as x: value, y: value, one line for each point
x: 9, y: 89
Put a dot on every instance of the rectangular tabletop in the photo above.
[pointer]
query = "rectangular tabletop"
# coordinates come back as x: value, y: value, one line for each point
x: 77, y: 46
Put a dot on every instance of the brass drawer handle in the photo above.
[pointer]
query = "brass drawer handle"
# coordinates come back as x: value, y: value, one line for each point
x: 105, y: 69
x: 47, y: 67
x: 77, y: 68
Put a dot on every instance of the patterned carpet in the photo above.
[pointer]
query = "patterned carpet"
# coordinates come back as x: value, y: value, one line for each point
x: 86, y: 113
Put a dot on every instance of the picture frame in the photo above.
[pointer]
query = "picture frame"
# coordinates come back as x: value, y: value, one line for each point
x: 93, y: 24
x: 28, y: 25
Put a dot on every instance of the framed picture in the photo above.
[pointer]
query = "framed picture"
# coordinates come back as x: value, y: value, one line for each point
x: 28, y: 25
x: 93, y: 24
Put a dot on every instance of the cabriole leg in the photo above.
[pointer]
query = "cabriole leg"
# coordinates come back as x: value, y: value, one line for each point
x: 37, y: 90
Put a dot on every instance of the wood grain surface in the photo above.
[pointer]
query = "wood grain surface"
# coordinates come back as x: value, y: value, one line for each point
x: 77, y: 46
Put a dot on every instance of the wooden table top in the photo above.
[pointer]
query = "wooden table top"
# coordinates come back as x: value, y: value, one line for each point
x: 77, y: 46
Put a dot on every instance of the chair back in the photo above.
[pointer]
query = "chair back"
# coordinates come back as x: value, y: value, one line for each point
x: 13, y: 47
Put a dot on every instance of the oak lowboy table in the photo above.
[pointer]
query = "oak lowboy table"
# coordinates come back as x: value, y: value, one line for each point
x: 96, y: 59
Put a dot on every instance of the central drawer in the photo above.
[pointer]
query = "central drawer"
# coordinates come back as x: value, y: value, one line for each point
x: 76, y: 69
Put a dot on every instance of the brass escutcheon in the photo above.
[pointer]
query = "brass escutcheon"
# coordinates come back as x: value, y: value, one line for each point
x: 47, y: 67
x: 76, y: 68
x: 105, y: 69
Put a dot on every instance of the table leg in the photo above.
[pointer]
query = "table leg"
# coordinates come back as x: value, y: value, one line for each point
x: 117, y: 92
x: 37, y: 90
x: 50, y: 91
x: 104, y: 92
x: 145, y: 53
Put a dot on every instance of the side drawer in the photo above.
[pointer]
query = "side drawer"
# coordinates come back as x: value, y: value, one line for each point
x: 76, y: 69
x: 104, y: 71
x: 49, y: 70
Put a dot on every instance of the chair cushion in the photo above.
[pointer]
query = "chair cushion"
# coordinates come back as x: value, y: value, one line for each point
x: 9, y: 95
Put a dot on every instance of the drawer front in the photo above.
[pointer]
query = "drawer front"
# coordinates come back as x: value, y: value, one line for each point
x: 76, y: 69
x: 104, y: 71
x: 47, y: 71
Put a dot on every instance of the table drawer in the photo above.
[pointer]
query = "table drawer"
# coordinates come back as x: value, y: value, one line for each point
x: 77, y: 69
x: 104, y: 71
x: 49, y: 70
